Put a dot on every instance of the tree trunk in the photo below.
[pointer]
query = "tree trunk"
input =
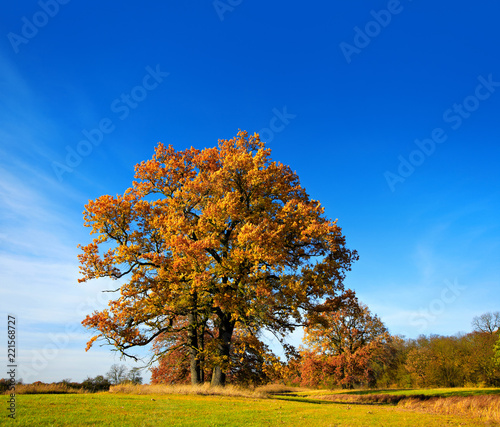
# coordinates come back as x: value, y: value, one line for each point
x: 201, y: 340
x: 226, y: 328
x: 192, y: 338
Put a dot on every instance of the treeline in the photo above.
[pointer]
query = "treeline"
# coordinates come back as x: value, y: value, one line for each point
x: 89, y: 385
x: 117, y: 374
x: 428, y: 361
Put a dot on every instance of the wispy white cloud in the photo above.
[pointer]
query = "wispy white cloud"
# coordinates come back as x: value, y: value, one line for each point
x: 31, y: 222
x: 40, y: 226
x: 39, y: 283
x: 51, y: 363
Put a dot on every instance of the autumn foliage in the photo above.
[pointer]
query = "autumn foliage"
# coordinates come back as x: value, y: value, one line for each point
x: 346, y: 345
x: 222, y: 237
x: 210, y: 248
x: 369, y: 357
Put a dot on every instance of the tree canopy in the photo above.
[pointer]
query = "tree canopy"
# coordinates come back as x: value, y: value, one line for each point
x: 346, y: 343
x: 347, y: 328
x: 222, y: 235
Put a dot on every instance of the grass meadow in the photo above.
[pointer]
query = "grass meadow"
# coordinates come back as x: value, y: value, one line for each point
x: 267, y: 406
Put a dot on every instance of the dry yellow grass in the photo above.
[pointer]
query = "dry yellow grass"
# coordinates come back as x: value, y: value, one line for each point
x: 45, y: 389
x: 202, y: 389
x: 485, y: 408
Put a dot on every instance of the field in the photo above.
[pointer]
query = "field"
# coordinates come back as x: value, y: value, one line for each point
x: 301, y: 408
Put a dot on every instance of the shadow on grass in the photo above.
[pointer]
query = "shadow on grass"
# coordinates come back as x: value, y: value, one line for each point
x: 296, y: 398
x: 423, y: 392
x: 385, y: 397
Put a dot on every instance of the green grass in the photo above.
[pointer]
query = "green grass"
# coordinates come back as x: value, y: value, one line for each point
x: 193, y: 410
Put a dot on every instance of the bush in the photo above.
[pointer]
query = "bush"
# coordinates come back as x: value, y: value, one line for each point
x: 96, y: 384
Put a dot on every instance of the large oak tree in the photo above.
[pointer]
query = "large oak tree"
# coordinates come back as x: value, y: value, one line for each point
x: 222, y: 234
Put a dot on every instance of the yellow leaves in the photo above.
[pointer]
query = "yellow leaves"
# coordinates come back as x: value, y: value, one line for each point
x: 222, y: 224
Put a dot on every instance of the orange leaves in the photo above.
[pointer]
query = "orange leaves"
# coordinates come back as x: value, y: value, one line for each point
x: 222, y: 232
x: 91, y: 341
x: 345, y: 326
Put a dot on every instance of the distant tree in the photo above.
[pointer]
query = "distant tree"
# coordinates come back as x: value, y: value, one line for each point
x: 4, y: 385
x: 487, y: 322
x: 117, y: 374
x: 446, y: 366
x: 452, y: 361
x: 134, y: 376
x: 480, y: 358
x: 392, y: 373
x: 417, y: 360
x: 99, y: 383
x: 496, y: 355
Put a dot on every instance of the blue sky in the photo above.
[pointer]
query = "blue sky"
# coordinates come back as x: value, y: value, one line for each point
x: 389, y: 113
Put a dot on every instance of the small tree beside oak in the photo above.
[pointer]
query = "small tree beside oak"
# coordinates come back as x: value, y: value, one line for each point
x: 346, y: 345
